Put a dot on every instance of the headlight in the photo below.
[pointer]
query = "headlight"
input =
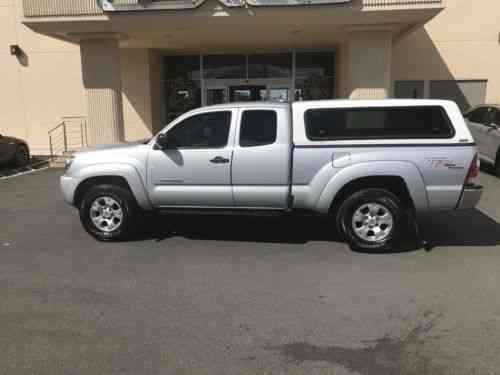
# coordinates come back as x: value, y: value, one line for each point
x: 68, y: 162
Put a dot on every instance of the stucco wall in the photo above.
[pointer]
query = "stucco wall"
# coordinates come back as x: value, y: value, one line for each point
x: 40, y: 86
x: 461, y: 43
x: 136, y: 86
x: 45, y: 84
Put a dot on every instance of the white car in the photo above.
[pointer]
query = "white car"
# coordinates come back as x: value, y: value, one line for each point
x: 484, y: 124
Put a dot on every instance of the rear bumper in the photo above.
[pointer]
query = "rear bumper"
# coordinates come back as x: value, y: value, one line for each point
x: 470, y: 197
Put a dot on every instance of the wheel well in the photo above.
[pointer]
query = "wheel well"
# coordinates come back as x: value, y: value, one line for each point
x: 85, y: 185
x: 394, y: 184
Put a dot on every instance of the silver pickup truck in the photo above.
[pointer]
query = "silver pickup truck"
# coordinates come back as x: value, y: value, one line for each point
x: 371, y: 165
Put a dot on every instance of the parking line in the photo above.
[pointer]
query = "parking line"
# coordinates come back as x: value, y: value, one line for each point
x: 32, y: 170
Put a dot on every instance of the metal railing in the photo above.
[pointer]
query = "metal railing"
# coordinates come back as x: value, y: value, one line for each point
x: 69, y: 135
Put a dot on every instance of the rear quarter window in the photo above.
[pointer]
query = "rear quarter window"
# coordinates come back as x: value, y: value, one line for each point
x: 424, y: 122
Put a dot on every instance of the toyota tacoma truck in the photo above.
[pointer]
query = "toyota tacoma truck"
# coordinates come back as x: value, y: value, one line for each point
x: 370, y: 165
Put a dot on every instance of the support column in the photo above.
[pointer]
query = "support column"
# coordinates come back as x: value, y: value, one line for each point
x: 370, y: 57
x: 102, y: 81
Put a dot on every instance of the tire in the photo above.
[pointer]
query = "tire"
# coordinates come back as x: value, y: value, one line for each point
x: 496, y: 166
x: 21, y: 156
x: 109, y: 213
x: 372, y: 220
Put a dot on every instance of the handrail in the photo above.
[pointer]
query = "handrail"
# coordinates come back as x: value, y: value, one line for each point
x: 56, y: 127
x: 68, y: 135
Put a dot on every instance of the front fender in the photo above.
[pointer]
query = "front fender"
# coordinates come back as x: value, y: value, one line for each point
x: 406, y: 170
x: 127, y: 171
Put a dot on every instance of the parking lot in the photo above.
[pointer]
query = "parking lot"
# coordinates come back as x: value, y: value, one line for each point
x: 241, y: 295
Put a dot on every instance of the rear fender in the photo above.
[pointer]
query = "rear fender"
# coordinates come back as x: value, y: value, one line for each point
x: 406, y: 170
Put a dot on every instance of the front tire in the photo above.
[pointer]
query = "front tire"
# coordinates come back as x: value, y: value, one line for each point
x: 109, y: 212
x: 371, y: 220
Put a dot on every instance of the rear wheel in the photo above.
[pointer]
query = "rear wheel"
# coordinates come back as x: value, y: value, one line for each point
x: 496, y: 166
x: 22, y: 156
x: 109, y: 212
x: 371, y: 220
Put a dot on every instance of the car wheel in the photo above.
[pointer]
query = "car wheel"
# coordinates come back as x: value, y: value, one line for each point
x: 109, y: 212
x: 22, y: 156
x: 371, y: 220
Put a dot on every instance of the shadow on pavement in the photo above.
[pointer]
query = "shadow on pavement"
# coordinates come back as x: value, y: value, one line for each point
x: 488, y: 169
x: 455, y: 228
x: 8, y: 169
x: 460, y: 228
x: 287, y: 229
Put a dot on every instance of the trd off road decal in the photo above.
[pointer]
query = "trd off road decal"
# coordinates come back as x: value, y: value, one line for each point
x: 441, y: 162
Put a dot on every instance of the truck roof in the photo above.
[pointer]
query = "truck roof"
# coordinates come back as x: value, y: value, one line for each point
x: 267, y: 104
x: 334, y: 103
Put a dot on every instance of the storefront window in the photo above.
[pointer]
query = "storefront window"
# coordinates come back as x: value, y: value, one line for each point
x: 186, y: 67
x: 252, y: 77
x: 224, y: 66
x: 182, y: 84
x: 314, y: 75
x: 270, y: 65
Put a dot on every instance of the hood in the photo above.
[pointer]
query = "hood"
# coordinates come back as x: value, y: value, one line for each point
x: 117, y: 146
x: 13, y: 139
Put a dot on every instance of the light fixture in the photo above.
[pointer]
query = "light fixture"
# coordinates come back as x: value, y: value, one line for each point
x: 16, y: 50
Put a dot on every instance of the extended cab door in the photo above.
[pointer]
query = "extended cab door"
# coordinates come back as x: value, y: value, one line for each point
x: 262, y: 156
x: 195, y: 170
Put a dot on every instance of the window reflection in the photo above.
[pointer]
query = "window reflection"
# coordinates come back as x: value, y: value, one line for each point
x: 186, y: 67
x: 314, y: 75
x: 224, y: 66
x: 270, y: 65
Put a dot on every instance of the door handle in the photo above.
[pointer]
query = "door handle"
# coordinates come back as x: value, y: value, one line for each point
x: 219, y: 160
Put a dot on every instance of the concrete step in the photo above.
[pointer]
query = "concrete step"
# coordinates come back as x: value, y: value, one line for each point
x: 58, y: 161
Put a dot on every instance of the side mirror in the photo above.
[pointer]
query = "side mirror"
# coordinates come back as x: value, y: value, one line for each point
x: 165, y: 142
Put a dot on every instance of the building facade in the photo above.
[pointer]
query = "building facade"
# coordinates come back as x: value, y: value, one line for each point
x: 107, y: 71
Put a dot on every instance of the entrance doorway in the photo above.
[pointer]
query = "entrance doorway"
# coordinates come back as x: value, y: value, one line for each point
x: 247, y: 93
x: 230, y: 93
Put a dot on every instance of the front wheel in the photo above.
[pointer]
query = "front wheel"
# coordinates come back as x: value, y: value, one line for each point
x: 371, y: 220
x: 109, y: 212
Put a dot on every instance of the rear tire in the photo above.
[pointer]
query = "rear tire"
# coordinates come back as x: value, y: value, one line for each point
x: 496, y: 167
x: 109, y: 213
x: 372, y: 220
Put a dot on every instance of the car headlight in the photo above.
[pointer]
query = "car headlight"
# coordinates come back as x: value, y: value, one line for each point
x: 68, y: 162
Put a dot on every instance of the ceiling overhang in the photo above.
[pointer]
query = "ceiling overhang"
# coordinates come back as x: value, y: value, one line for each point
x: 135, y: 5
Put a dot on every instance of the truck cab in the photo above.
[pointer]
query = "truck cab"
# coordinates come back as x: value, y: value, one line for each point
x: 223, y: 156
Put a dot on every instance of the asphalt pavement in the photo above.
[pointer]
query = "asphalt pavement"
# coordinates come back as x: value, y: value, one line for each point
x: 242, y: 295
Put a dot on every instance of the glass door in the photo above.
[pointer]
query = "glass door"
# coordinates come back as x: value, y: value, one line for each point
x: 217, y: 95
x: 279, y: 94
x: 247, y: 93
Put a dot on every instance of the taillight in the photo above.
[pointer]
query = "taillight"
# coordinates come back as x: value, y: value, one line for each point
x: 473, y: 170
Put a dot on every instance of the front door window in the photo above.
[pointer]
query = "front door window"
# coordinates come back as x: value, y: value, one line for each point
x: 207, y: 130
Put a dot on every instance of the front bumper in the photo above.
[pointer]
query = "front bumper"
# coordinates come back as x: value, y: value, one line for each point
x: 68, y: 188
x: 470, y: 197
